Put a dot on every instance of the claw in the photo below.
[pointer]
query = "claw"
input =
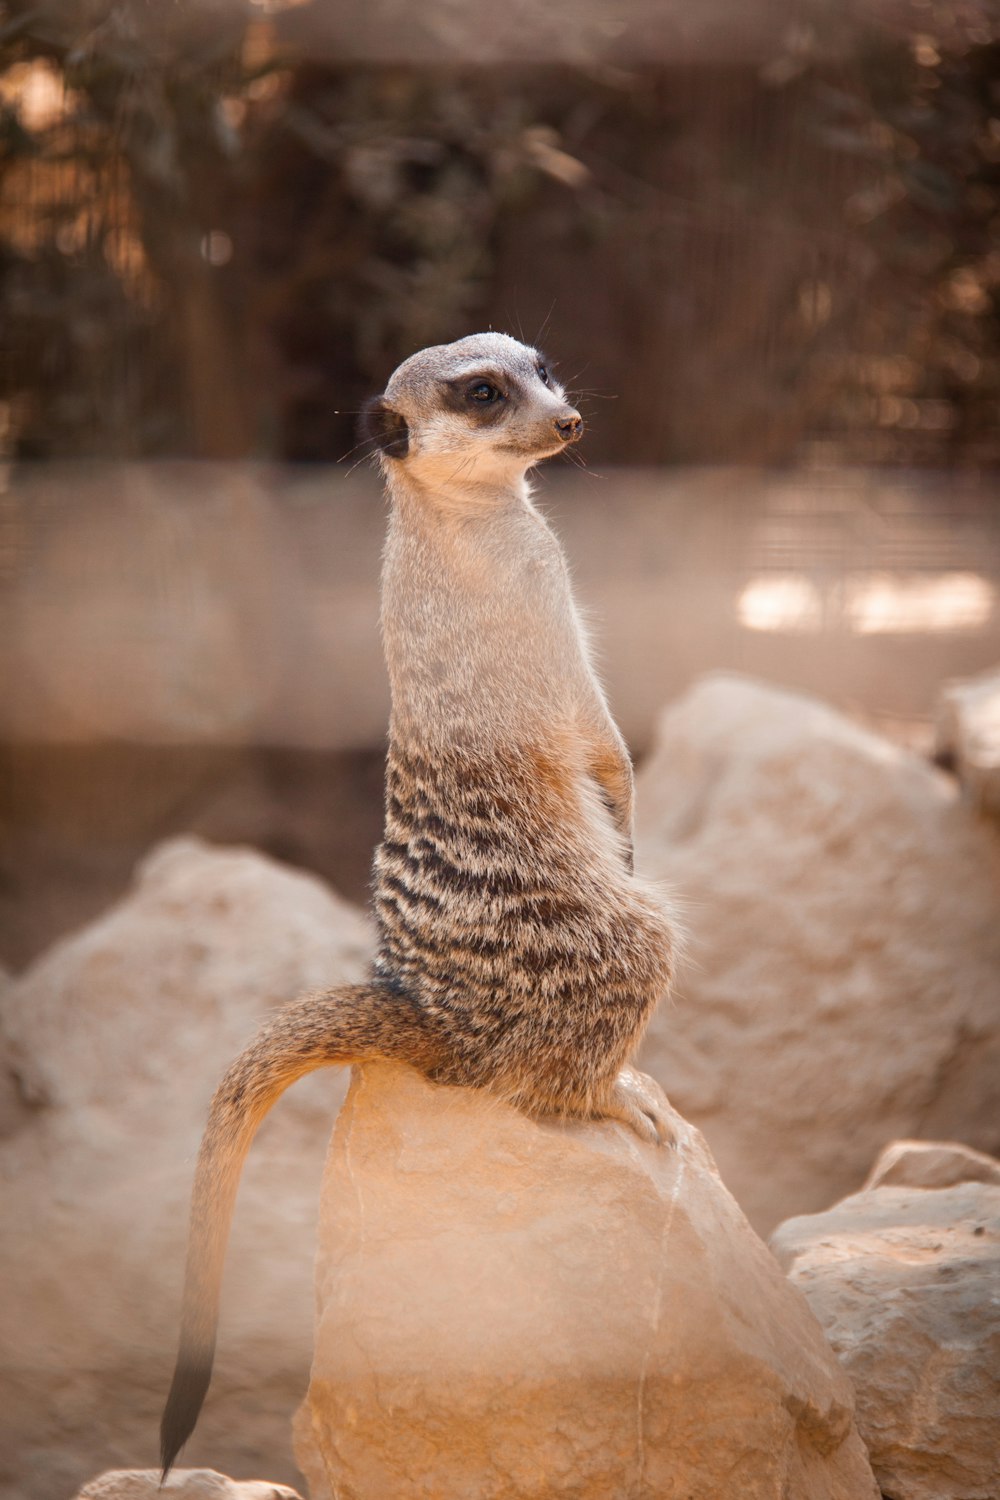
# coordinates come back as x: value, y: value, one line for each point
x: 666, y: 1133
x: 640, y: 1103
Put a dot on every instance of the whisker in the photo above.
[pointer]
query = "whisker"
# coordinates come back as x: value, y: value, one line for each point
x: 358, y: 462
x: 465, y: 462
x: 582, y: 464
x: 372, y: 443
x: 548, y: 315
x: 357, y: 445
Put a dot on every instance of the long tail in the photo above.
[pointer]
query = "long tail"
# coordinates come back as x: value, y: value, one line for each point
x: 353, y: 1024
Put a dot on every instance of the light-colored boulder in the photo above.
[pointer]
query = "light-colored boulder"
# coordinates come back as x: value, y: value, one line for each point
x: 118, y: 1037
x: 842, y: 984
x: 511, y: 1308
x: 931, y: 1164
x: 181, y: 1484
x: 906, y: 1282
x: 968, y: 736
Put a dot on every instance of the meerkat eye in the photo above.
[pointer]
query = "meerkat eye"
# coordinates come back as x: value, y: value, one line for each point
x: 543, y: 375
x: 483, y: 392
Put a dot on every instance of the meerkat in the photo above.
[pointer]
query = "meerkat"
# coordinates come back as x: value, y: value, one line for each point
x: 516, y: 950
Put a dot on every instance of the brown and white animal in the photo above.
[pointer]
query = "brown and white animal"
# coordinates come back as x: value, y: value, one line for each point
x: 517, y: 952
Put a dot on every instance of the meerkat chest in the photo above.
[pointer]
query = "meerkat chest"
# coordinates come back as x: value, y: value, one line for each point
x: 481, y: 610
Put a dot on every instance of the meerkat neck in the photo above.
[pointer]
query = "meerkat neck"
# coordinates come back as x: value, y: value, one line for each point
x: 457, y: 490
x: 482, y: 638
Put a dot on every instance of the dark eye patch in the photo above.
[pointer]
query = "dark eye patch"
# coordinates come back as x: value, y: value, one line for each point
x: 543, y: 374
x: 479, y: 397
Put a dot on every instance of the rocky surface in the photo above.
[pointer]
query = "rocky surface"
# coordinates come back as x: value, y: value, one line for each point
x: 842, y: 986
x: 842, y: 989
x: 116, y: 1039
x: 931, y: 1164
x: 182, y: 1484
x: 905, y: 1281
x: 968, y: 736
x: 511, y: 1309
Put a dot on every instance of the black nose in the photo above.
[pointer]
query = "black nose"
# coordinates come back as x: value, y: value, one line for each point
x: 569, y: 427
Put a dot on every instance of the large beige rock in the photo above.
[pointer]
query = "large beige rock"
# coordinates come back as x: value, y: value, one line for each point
x: 181, y: 1484
x: 842, y: 986
x: 118, y: 1037
x: 931, y: 1164
x: 906, y: 1282
x: 512, y: 1309
x: 968, y: 736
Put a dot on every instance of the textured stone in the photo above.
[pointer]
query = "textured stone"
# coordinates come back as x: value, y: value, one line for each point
x: 905, y: 1280
x: 181, y: 1484
x: 117, y: 1038
x: 511, y: 1309
x: 968, y: 736
x: 842, y: 987
x: 931, y: 1164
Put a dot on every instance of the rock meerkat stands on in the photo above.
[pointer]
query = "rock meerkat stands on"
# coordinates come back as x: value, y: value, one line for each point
x: 517, y: 952
x: 523, y: 1309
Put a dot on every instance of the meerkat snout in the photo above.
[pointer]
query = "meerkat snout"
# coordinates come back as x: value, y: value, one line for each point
x: 569, y: 427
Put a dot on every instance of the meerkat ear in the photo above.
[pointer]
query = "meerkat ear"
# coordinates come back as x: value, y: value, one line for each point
x: 384, y: 428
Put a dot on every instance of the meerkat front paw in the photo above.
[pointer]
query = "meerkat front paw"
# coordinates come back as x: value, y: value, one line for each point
x: 639, y: 1102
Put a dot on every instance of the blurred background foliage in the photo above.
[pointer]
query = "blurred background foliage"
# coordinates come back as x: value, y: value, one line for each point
x: 216, y: 239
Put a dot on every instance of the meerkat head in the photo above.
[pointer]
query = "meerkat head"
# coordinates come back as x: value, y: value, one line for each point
x: 481, y: 410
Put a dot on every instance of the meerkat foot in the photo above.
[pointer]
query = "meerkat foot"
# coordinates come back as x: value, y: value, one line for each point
x: 639, y: 1102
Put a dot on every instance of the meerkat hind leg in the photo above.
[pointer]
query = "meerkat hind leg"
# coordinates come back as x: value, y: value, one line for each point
x: 640, y: 1103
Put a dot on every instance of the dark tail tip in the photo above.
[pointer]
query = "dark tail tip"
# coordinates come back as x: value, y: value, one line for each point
x: 187, y: 1393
